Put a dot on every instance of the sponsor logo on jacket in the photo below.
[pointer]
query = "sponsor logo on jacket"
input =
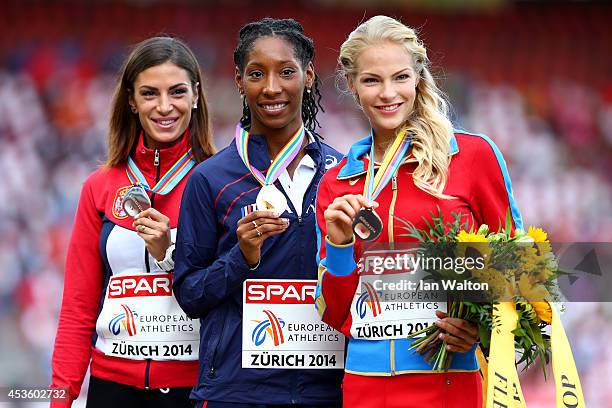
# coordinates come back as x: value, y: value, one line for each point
x: 272, y: 326
x: 370, y: 298
x: 126, y: 320
x: 140, y: 285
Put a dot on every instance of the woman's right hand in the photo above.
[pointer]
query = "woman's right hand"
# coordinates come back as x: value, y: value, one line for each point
x: 340, y: 214
x: 254, y: 229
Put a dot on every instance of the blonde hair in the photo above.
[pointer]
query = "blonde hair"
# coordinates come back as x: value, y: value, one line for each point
x: 428, y: 124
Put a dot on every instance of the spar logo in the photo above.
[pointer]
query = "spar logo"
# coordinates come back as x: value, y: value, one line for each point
x: 126, y: 319
x: 370, y: 298
x: 272, y: 326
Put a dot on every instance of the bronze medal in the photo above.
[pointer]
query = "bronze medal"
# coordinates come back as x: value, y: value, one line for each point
x: 367, y: 225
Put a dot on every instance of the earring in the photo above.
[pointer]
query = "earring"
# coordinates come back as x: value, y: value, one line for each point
x: 308, y: 90
x: 195, y: 105
x: 133, y: 109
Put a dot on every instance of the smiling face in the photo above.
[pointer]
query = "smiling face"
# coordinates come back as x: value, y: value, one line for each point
x: 163, y: 97
x: 385, y: 83
x: 273, y: 82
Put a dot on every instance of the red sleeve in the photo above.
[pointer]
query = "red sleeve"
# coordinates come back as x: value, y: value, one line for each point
x: 338, y: 278
x: 491, y: 196
x: 82, y: 290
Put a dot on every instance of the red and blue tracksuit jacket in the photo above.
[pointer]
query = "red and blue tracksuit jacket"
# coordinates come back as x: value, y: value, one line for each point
x: 479, y: 181
x: 210, y: 270
x: 115, y: 297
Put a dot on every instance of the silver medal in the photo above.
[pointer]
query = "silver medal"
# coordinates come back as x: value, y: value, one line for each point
x: 271, y: 198
x: 136, y: 200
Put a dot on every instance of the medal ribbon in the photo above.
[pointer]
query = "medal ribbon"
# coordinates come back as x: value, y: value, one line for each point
x: 280, y: 162
x: 169, y: 180
x: 391, y: 161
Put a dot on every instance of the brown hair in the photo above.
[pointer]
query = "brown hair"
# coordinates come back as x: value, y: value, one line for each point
x: 124, y: 125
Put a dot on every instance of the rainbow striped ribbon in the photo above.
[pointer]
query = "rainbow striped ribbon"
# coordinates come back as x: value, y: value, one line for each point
x: 391, y: 161
x: 280, y: 162
x: 169, y: 180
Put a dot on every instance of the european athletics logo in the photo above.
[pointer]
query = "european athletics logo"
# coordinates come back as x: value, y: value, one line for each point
x: 125, y: 319
x: 370, y: 298
x: 272, y: 326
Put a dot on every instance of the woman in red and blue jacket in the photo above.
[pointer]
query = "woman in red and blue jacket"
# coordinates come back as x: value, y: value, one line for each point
x: 386, y: 69
x: 118, y: 315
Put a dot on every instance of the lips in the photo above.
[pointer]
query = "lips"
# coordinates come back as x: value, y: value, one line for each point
x: 273, y: 108
x: 165, y: 123
x: 391, y: 108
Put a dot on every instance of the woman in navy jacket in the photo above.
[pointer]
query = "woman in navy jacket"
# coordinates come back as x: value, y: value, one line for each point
x: 221, y: 242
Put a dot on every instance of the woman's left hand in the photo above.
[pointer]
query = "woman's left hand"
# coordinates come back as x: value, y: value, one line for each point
x: 460, y: 334
x: 154, y: 228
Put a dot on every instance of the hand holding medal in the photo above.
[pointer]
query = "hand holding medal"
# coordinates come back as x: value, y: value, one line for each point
x: 367, y: 225
x: 257, y: 226
x: 151, y: 225
x: 355, y: 214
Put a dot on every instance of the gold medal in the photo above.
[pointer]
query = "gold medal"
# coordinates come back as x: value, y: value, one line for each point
x: 271, y: 198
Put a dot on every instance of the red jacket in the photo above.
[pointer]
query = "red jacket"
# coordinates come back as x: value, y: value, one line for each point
x: 111, y: 285
x: 479, y: 181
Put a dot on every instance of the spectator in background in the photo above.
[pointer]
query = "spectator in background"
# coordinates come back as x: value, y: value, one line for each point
x: 222, y: 242
x: 118, y: 310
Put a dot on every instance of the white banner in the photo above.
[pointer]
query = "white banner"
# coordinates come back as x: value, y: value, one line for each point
x: 281, y: 328
x: 141, y: 320
x: 392, y: 301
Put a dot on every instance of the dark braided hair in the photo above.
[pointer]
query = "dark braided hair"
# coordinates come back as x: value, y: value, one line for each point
x: 303, y: 46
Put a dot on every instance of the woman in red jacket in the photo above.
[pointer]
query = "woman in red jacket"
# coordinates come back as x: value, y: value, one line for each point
x: 119, y: 316
x: 425, y: 166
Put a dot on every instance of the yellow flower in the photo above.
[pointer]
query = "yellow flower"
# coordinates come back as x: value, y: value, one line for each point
x: 540, y: 239
x: 474, y: 246
x: 500, y: 289
x: 538, y: 234
x: 465, y: 236
x: 531, y: 290
x: 543, y: 310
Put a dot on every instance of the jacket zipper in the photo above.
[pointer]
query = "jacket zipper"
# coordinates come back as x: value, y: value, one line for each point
x: 211, y: 371
x: 157, y: 173
x: 392, y: 246
x: 147, y: 265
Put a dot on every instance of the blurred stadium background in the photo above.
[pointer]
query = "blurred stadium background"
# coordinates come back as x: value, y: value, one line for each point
x: 533, y: 75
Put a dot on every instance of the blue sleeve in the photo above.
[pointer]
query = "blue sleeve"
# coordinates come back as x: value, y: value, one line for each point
x: 203, y: 279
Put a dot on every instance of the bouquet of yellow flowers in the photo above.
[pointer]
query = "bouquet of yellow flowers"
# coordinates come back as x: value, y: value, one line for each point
x: 514, y: 266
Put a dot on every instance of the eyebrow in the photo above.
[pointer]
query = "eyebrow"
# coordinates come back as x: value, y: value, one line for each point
x: 395, y: 73
x: 172, y: 87
x: 259, y: 64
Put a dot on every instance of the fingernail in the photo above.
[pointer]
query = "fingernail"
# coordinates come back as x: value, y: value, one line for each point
x: 285, y: 220
x: 136, y: 217
x: 275, y: 214
x: 441, y: 336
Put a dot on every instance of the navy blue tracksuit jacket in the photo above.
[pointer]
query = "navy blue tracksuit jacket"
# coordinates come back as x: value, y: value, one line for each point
x: 210, y: 270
